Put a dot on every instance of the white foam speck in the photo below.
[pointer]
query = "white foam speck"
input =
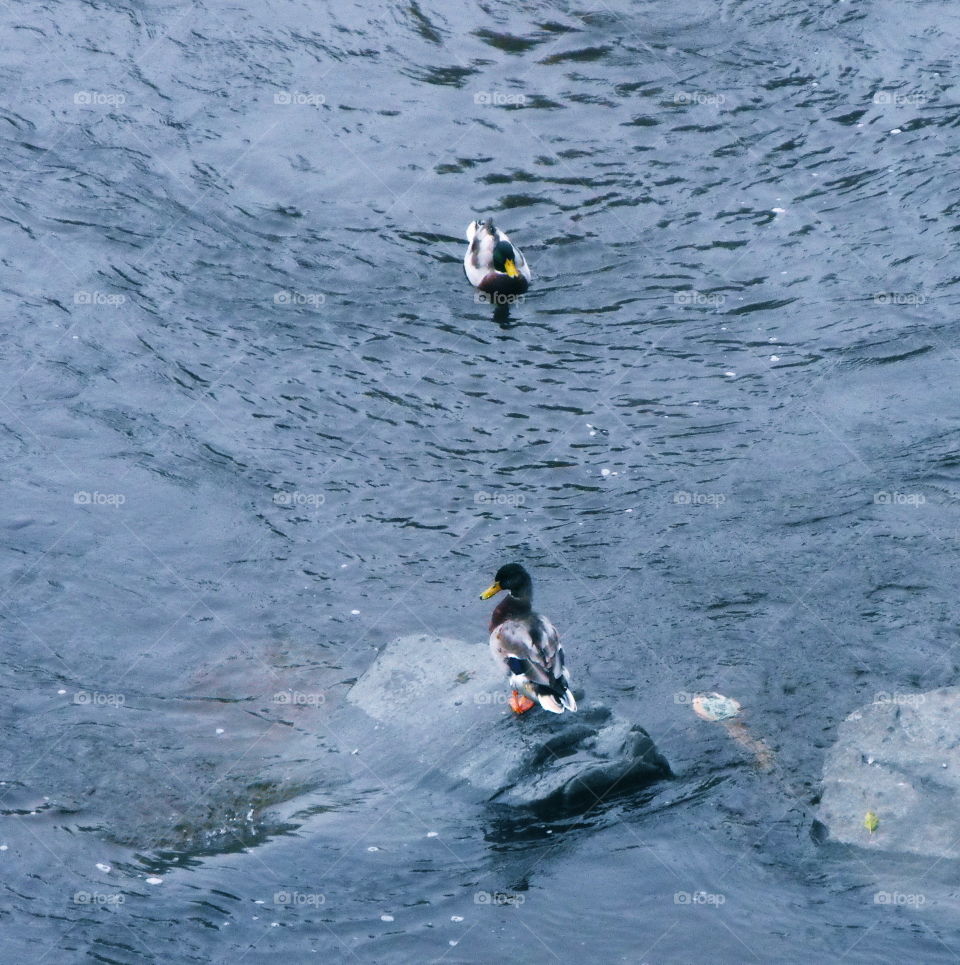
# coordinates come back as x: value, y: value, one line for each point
x: 355, y: 612
x: 730, y: 375
x: 103, y: 867
x: 604, y: 472
x: 386, y: 918
x: 453, y: 943
x: 432, y: 834
x: 219, y: 730
x: 61, y: 691
x: 373, y: 847
x: 628, y: 510
x: 897, y: 130
x: 154, y: 880
x: 779, y: 210
x: 259, y: 901
x: 456, y: 918
x: 4, y: 847
x: 343, y: 566
x: 774, y: 358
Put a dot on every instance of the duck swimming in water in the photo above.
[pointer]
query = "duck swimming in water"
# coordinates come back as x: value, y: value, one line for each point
x: 493, y: 263
x: 527, y: 646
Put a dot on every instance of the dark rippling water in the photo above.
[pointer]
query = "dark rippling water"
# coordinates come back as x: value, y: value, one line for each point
x: 254, y: 425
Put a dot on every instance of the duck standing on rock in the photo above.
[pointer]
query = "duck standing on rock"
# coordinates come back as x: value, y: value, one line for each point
x: 527, y: 646
x: 493, y: 263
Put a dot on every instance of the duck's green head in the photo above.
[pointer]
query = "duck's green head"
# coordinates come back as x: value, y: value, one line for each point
x: 514, y: 579
x: 505, y: 259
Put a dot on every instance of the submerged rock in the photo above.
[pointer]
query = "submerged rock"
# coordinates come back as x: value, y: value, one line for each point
x: 898, y: 761
x: 716, y: 708
x: 443, y: 702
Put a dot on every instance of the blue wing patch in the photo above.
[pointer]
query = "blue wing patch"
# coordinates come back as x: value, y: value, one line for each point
x: 516, y: 665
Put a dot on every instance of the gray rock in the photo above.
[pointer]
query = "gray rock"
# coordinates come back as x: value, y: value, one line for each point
x: 441, y: 705
x: 899, y: 758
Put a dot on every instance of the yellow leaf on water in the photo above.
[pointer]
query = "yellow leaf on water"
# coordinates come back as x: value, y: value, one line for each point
x: 871, y: 822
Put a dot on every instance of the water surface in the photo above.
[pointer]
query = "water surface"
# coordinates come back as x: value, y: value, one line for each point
x: 254, y: 425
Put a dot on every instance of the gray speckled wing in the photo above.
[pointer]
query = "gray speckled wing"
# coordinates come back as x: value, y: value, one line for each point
x: 513, y: 639
x: 478, y: 261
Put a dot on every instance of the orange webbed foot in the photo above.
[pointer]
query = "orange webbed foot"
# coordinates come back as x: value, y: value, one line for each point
x: 520, y: 704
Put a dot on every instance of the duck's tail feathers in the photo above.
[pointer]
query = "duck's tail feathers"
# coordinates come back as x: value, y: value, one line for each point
x: 478, y: 225
x: 548, y: 701
x: 567, y: 698
x: 555, y: 699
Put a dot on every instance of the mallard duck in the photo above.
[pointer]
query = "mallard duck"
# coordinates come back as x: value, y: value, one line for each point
x: 527, y: 646
x: 493, y: 263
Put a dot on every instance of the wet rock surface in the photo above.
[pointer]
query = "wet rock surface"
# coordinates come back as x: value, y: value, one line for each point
x: 439, y: 705
x: 898, y: 758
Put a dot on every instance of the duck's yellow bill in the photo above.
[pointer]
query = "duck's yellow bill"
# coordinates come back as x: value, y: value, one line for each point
x: 492, y: 591
x: 510, y: 268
